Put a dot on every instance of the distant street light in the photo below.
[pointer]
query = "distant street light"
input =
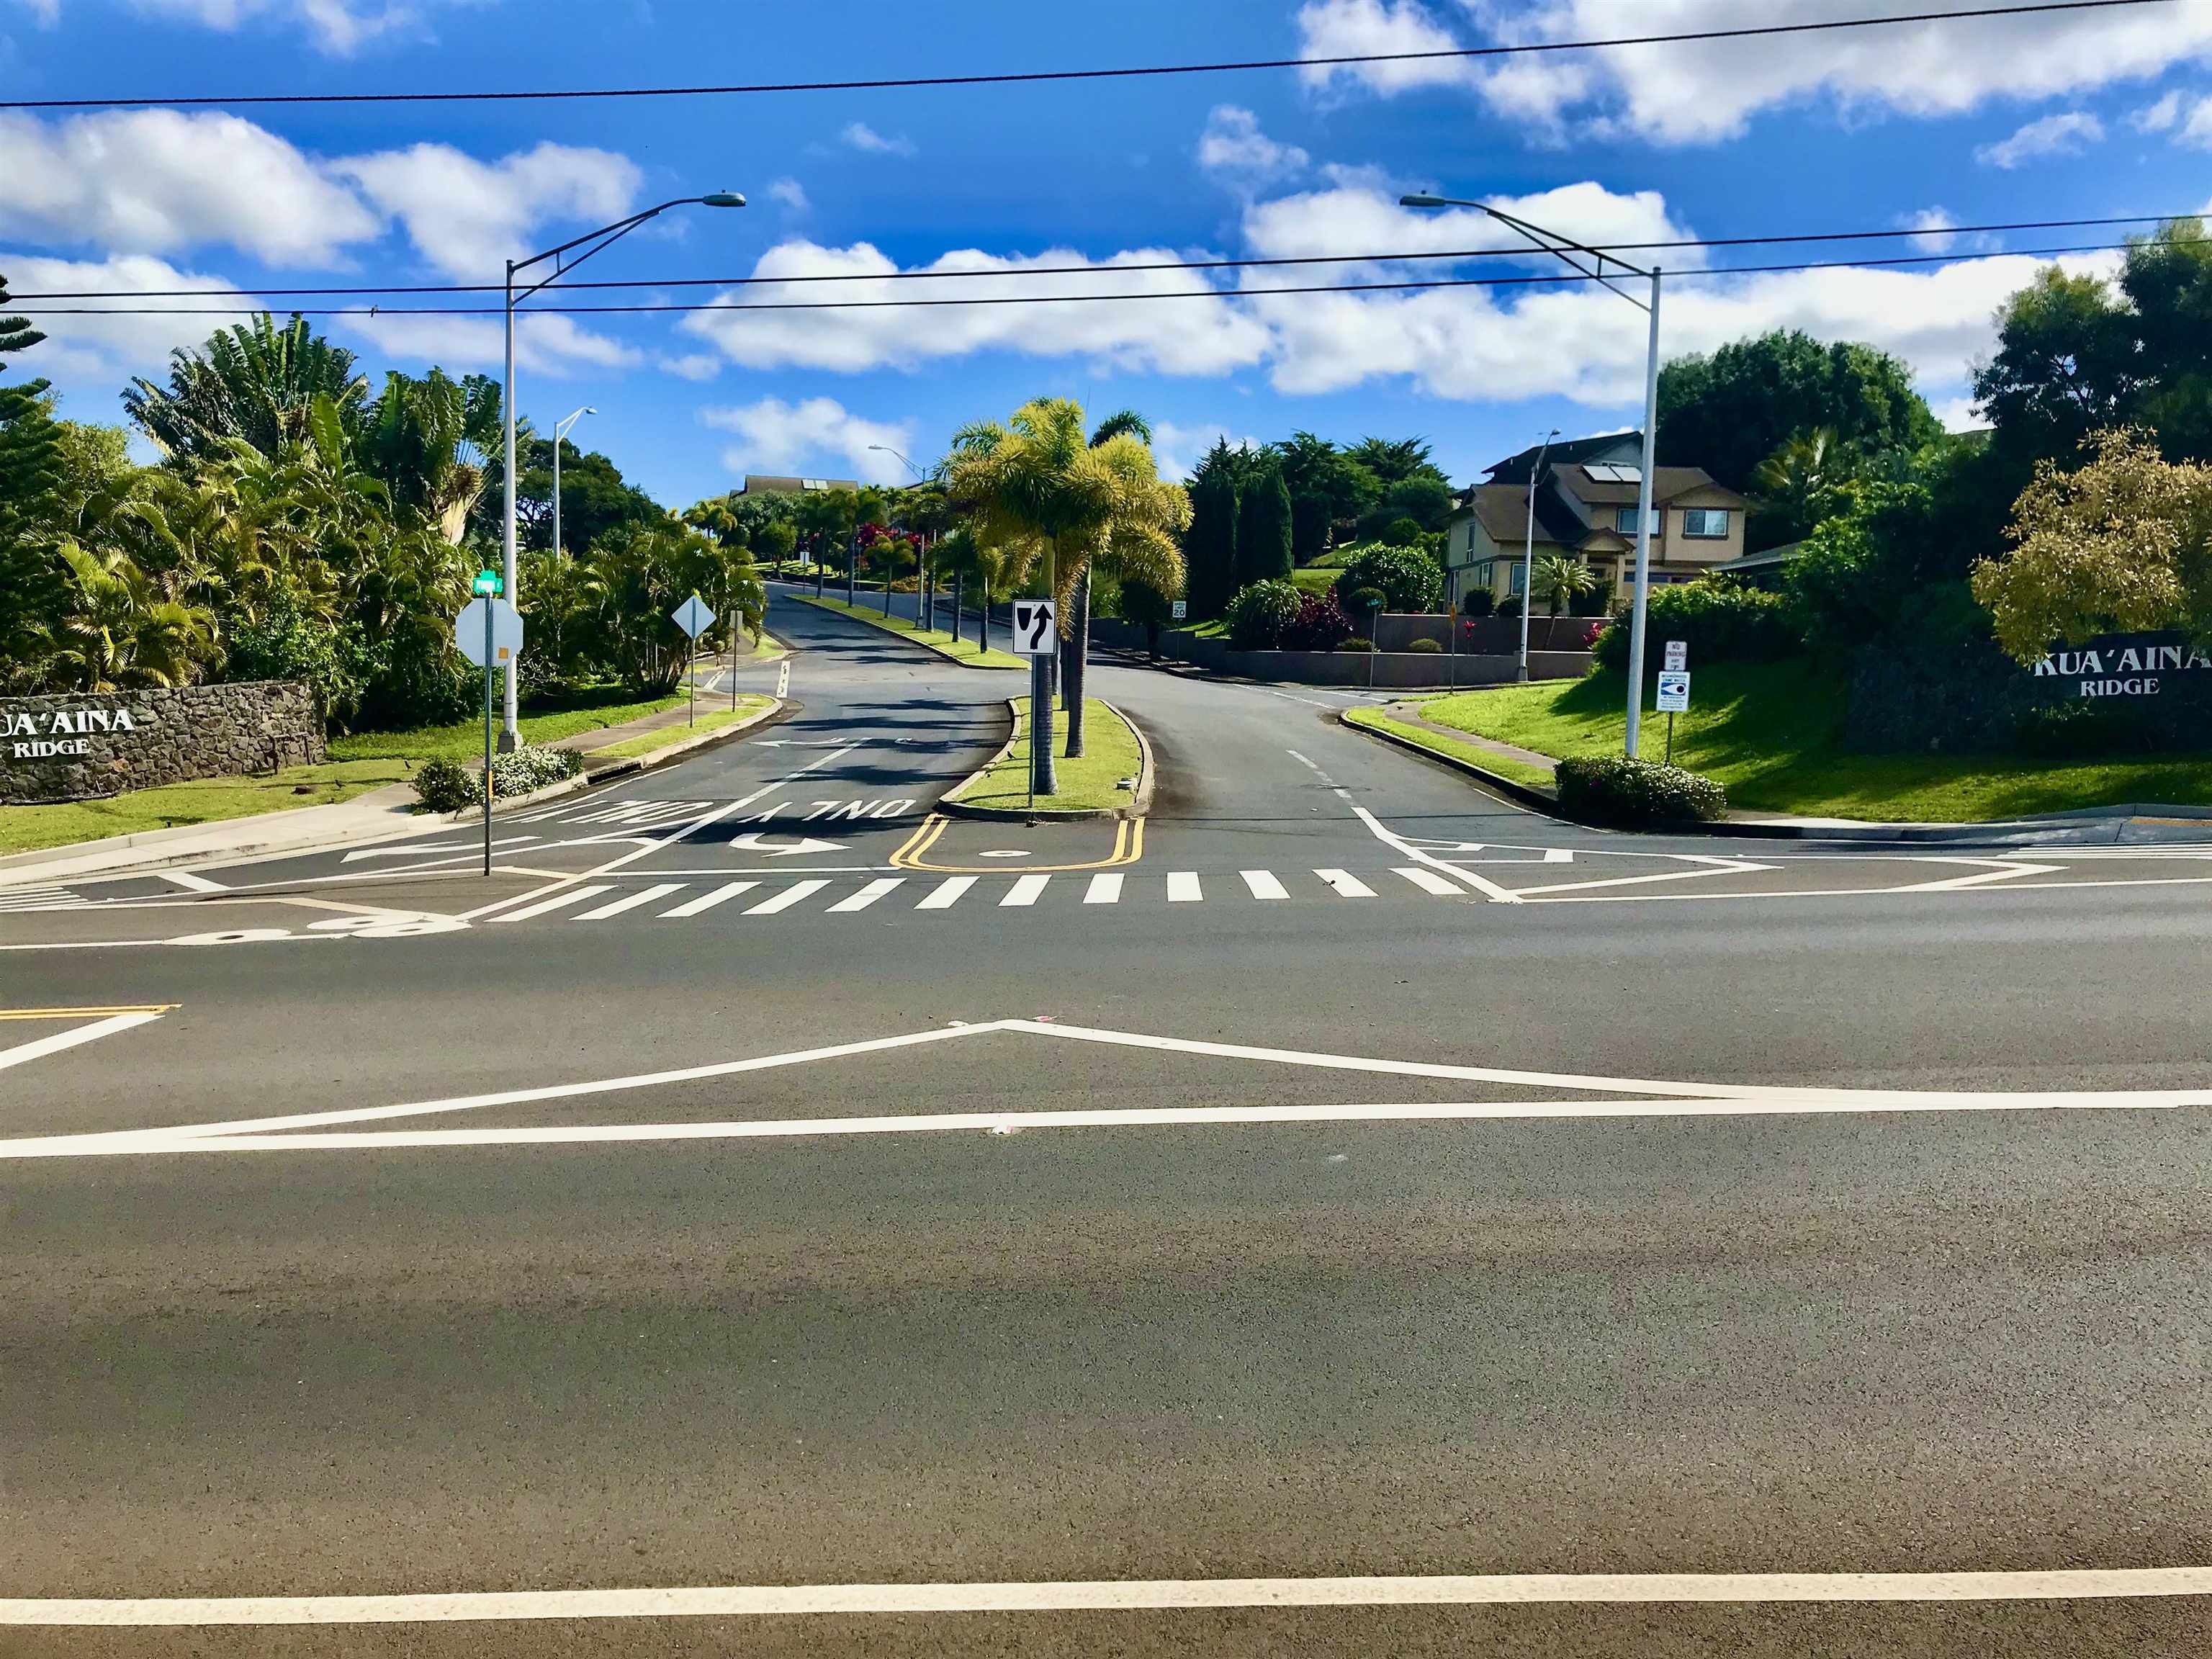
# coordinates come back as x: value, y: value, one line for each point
x: 919, y: 476
x: 560, y: 431
x: 605, y: 236
x: 1566, y: 248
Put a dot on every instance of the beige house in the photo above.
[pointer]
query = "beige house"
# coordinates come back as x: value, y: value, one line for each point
x: 1586, y: 508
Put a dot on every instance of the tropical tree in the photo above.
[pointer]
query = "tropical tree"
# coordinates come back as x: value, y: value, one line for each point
x: 1038, y: 492
x: 256, y: 383
x: 1799, y: 485
x: 120, y: 631
x: 429, y: 440
x: 1562, y: 580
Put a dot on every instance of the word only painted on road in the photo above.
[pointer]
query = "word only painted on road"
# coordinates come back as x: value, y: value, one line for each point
x: 808, y: 812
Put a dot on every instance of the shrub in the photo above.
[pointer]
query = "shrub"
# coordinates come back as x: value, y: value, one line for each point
x: 1260, y: 615
x: 1355, y: 642
x: 1425, y: 648
x: 444, y: 786
x: 532, y: 766
x: 1366, y: 601
x: 1635, y: 793
x: 1481, y: 603
x: 1321, y: 622
x: 1721, y: 623
x: 1408, y: 578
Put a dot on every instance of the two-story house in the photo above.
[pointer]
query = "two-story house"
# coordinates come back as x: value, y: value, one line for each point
x: 1586, y: 502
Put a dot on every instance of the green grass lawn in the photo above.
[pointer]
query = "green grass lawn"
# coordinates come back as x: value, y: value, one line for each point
x: 964, y: 652
x: 1315, y: 579
x: 1505, y: 765
x: 1110, y: 755
x: 358, y: 762
x: 1769, y: 732
x: 749, y: 704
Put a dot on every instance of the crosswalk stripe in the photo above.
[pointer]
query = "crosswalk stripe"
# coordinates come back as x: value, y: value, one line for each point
x: 787, y: 898
x: 558, y: 901
x: 947, y: 893
x: 1103, y: 889
x: 1346, y: 884
x: 1183, y: 888
x: 1024, y: 891
x: 867, y: 896
x: 630, y: 901
x: 1264, y: 885
x: 1427, y: 880
x: 699, y: 906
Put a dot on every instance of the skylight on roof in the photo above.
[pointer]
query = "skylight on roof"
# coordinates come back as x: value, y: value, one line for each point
x: 1606, y: 472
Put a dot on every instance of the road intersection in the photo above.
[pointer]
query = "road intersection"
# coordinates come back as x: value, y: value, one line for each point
x: 1353, y: 1215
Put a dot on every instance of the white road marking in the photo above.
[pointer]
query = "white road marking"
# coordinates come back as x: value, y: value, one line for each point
x: 1105, y: 889
x: 40, y: 1048
x: 699, y: 907
x: 947, y: 893
x: 790, y: 896
x: 631, y: 901
x: 1428, y: 881
x: 559, y: 900
x: 1346, y: 884
x: 1992, y: 871
x: 1713, y: 867
x: 1025, y: 891
x: 1264, y: 885
x: 1388, y: 837
x: 1126, y: 1596
x: 192, y: 883
x: 867, y: 895
x: 1183, y: 888
x: 783, y: 679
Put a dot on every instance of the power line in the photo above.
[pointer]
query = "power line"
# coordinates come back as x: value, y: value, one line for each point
x: 1033, y: 76
x: 1792, y: 238
x: 1411, y: 284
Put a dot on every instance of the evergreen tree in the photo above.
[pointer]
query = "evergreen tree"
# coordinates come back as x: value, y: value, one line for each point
x: 1209, y: 546
x: 1263, y: 528
x: 31, y: 469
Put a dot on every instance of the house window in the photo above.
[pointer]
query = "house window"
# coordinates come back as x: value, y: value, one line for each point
x: 1705, y: 524
x: 1624, y: 520
x: 1519, y: 579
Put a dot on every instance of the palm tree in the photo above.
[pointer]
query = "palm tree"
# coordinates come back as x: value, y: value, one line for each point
x: 1075, y: 654
x: 427, y: 441
x: 257, y: 383
x: 1798, y: 484
x: 120, y: 631
x: 1036, y: 490
x: 1562, y: 580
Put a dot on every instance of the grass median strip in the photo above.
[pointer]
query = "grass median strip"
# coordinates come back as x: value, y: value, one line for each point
x: 1089, y: 783
x: 1436, y: 743
x: 964, y: 652
x: 646, y: 743
x: 1770, y: 732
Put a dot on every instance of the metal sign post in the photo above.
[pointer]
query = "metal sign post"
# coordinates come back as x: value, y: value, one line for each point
x: 488, y: 633
x: 695, y: 619
x: 1037, y: 637
x: 1673, y: 699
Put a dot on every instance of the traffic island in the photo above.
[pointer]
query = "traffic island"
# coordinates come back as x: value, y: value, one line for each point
x: 966, y: 652
x: 1112, y: 778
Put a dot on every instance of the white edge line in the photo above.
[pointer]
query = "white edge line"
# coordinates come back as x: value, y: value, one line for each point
x: 40, y: 1048
x: 1133, y: 1594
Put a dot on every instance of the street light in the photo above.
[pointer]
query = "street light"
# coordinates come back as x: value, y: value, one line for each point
x: 919, y: 476
x: 1528, y: 553
x: 560, y: 431
x: 605, y: 236
x: 1566, y: 248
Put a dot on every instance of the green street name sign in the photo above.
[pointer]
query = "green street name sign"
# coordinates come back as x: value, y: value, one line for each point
x: 487, y: 581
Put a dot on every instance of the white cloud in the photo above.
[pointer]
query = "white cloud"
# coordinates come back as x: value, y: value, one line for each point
x: 2160, y: 116
x: 154, y: 182
x: 544, y: 343
x: 1179, y: 448
x: 337, y: 26
x: 89, y: 358
x: 1934, y: 227
x: 790, y: 193
x: 2068, y: 134
x: 692, y: 366
x: 1959, y: 414
x: 1702, y: 91
x: 1357, y: 217
x: 1348, y: 28
x: 859, y: 136
x: 2196, y: 130
x: 1167, y: 336
x: 775, y: 436
x: 469, y: 216
x: 1233, y: 146
x: 44, y: 13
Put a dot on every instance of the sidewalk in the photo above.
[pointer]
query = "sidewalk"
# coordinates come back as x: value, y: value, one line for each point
x: 1409, y: 713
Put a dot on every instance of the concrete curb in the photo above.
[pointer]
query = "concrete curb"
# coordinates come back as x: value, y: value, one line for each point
x: 1140, y: 798
x: 908, y: 638
x: 1892, y: 835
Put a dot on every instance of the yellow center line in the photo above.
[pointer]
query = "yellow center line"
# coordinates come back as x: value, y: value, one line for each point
x: 87, y: 1013
x: 1128, y: 848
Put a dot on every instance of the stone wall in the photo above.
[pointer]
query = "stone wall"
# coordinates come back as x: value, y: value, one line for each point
x: 79, y: 745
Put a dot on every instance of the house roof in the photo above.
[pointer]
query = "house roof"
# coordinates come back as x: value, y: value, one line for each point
x: 1667, y: 483
x: 1514, y: 469
x: 1502, y: 510
x: 769, y: 484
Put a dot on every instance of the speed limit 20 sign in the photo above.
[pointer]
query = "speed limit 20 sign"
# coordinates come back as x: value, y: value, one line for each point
x: 1035, y: 635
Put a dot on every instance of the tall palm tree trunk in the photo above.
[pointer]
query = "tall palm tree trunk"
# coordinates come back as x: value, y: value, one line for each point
x: 1075, y: 654
x: 1043, y: 775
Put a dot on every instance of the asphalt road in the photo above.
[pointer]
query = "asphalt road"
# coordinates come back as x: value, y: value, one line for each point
x: 1631, y: 1206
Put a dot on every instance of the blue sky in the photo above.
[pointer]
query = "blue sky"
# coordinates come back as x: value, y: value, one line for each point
x: 2047, y: 117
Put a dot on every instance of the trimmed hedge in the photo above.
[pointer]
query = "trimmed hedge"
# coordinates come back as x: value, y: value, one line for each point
x: 1720, y: 623
x: 1427, y: 647
x: 444, y: 786
x: 1635, y: 795
x: 1410, y: 580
